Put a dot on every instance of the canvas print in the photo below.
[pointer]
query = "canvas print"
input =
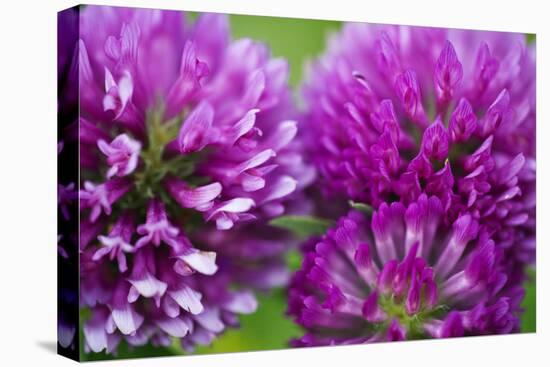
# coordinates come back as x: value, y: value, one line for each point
x: 234, y: 183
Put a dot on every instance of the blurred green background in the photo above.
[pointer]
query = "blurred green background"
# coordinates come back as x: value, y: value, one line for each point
x: 298, y: 40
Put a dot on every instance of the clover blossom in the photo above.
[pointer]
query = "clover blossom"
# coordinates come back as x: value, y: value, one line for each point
x: 434, y: 129
x: 403, y: 273
x: 394, y: 112
x: 182, y: 132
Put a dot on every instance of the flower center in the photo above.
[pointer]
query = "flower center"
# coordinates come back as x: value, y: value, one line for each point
x: 395, y: 309
x: 157, y: 162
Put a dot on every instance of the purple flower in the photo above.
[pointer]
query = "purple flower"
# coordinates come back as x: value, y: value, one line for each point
x: 402, y: 274
x: 397, y: 111
x: 182, y: 131
x: 122, y: 155
x: 157, y: 228
x: 100, y: 198
x: 117, y: 243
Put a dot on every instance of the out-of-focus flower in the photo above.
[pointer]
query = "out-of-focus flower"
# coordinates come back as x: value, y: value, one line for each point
x: 402, y: 274
x: 182, y: 131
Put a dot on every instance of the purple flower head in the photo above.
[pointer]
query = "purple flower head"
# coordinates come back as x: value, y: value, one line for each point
x: 402, y: 274
x: 182, y: 131
x: 397, y: 111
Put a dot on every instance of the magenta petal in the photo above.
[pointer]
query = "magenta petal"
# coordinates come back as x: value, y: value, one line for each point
x: 465, y: 228
x: 463, y: 122
x: 452, y: 326
x: 387, y: 56
x: 486, y: 67
x: 237, y: 205
x: 283, y: 135
x: 448, y: 73
x: 412, y: 304
x: 211, y: 36
x: 408, y: 91
x: 230, y: 135
x: 396, y: 332
x: 255, y: 161
x: 371, y: 311
x: 496, y: 114
x: 281, y: 188
x: 200, y: 197
x: 196, y: 131
x: 192, y: 70
x: 435, y: 141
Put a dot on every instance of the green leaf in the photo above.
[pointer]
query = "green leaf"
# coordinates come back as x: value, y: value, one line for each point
x: 361, y: 207
x: 302, y: 226
x: 293, y: 260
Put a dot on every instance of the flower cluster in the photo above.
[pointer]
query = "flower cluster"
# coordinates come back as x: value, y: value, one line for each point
x: 186, y: 141
x: 399, y: 115
x: 403, y: 274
